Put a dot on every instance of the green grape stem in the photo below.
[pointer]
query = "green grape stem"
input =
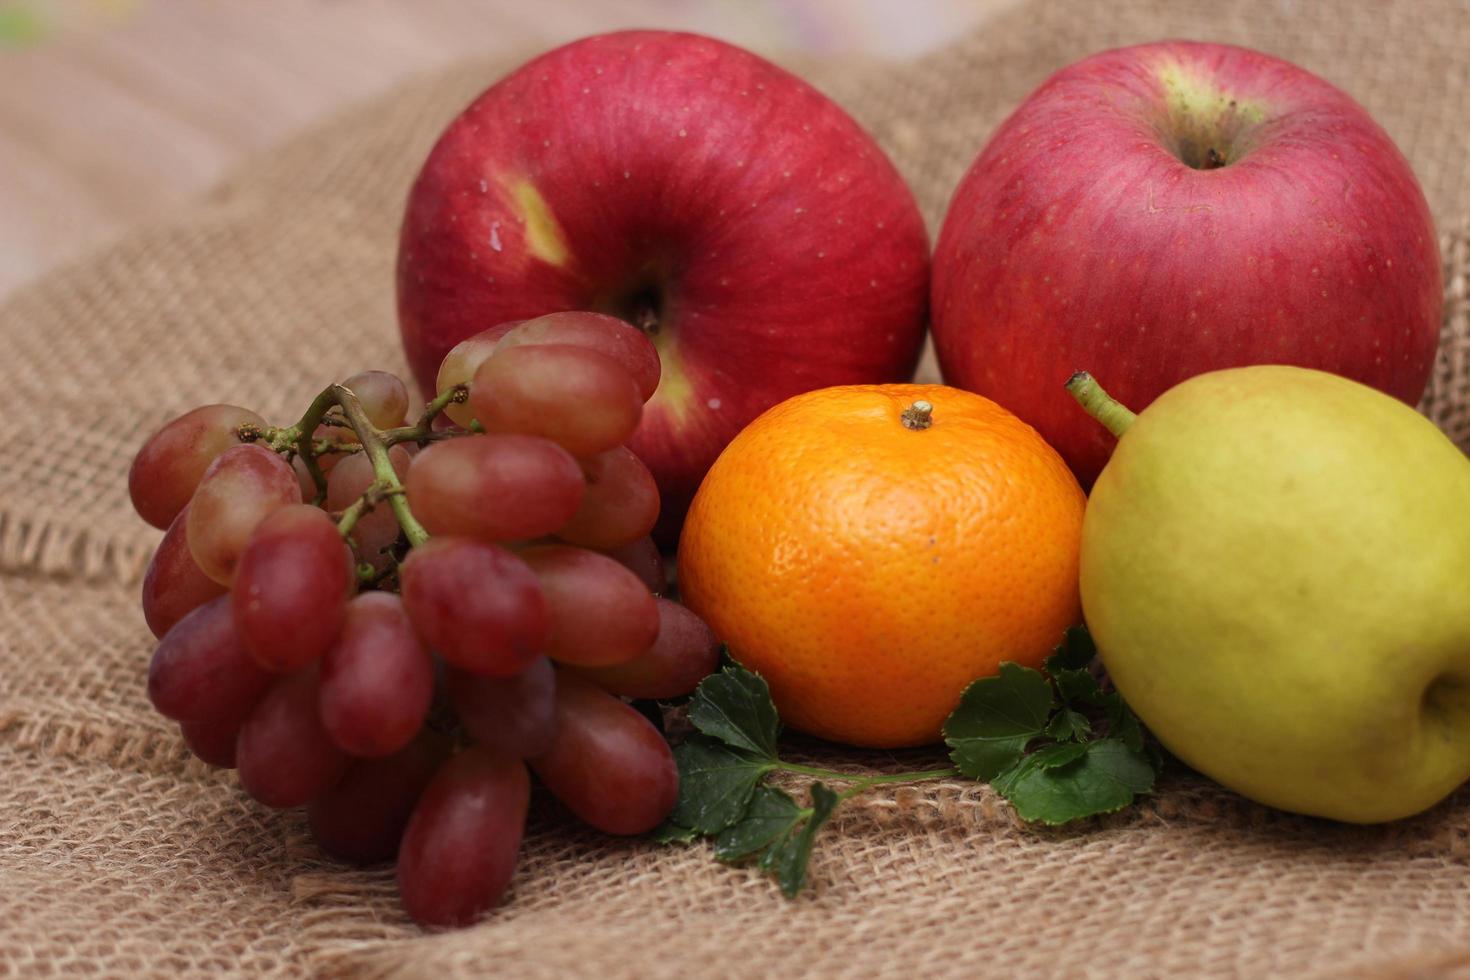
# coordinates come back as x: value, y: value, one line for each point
x: 299, y: 440
x: 376, y: 447
x: 422, y: 431
x: 305, y: 432
x: 370, y: 499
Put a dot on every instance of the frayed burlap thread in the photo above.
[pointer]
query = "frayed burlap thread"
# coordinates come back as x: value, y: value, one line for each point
x: 121, y: 856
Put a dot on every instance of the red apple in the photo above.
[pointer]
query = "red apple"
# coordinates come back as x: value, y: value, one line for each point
x: 1155, y: 212
x: 734, y: 213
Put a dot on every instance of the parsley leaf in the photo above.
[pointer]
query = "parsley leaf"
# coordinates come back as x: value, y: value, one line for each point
x: 779, y: 834
x: 721, y: 794
x: 1122, y: 723
x: 1067, y: 725
x: 1104, y: 777
x: 772, y: 814
x: 1075, y: 652
x: 789, y: 856
x: 735, y: 707
x: 1077, y: 687
x: 1032, y: 735
x: 715, y: 784
x: 669, y: 832
x: 996, y: 719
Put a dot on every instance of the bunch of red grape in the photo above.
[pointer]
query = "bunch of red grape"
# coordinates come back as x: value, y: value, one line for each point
x: 388, y: 622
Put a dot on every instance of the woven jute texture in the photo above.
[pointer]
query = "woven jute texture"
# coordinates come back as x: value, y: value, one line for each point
x: 119, y: 856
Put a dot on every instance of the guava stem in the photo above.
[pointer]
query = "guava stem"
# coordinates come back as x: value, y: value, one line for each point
x: 1099, y: 404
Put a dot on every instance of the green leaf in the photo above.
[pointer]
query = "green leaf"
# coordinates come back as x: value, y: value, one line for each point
x: 727, y: 660
x: 769, y: 857
x: 735, y: 707
x: 1043, y: 759
x: 996, y: 719
x: 1077, y: 687
x: 792, y: 852
x: 669, y: 832
x: 1075, y: 652
x: 1122, y: 723
x: 1068, y: 725
x: 715, y: 784
x: 1104, y: 778
x: 1056, y: 756
x: 722, y: 766
x: 780, y: 832
x: 771, y: 815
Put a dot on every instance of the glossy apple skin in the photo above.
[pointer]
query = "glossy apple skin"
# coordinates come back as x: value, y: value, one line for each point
x: 671, y: 177
x: 1080, y: 240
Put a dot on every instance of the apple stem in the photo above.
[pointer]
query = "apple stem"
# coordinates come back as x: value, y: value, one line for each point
x: 1099, y: 404
x: 918, y: 416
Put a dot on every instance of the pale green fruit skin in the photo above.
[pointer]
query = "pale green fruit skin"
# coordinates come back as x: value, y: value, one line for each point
x: 1276, y: 569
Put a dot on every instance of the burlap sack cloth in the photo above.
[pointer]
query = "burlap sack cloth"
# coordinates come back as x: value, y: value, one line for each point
x: 119, y: 856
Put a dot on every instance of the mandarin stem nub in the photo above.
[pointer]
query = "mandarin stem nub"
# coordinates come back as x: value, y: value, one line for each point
x: 917, y: 416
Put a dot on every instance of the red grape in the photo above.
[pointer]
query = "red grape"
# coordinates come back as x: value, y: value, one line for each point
x: 584, y: 400
x: 362, y: 816
x: 620, y: 505
x: 415, y: 405
x: 476, y: 604
x: 200, y: 670
x: 384, y: 397
x: 377, y: 680
x: 326, y: 461
x: 308, y: 485
x: 377, y: 530
x: 499, y: 487
x: 283, y: 753
x: 354, y: 474
x: 271, y: 664
x: 459, y: 851
x: 601, y: 613
x: 291, y: 587
x: 643, y: 559
x: 212, y: 741
x: 511, y: 715
x: 169, y: 466
x: 685, y: 653
x: 607, y: 762
x: 174, y: 586
x: 605, y: 334
x: 460, y: 364
x: 240, y: 488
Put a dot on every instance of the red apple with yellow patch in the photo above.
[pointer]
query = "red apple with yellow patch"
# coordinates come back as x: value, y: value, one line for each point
x: 1155, y: 212
x: 737, y: 215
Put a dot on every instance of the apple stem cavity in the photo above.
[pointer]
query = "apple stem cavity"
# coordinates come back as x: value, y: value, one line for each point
x: 918, y: 416
x: 1099, y: 404
x: 646, y: 319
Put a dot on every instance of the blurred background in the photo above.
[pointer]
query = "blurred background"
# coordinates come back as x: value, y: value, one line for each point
x: 112, y: 112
